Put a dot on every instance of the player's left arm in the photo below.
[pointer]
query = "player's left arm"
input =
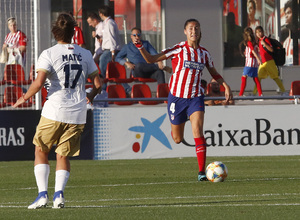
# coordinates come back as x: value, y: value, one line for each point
x: 36, y: 86
x: 97, y: 85
x: 214, y: 74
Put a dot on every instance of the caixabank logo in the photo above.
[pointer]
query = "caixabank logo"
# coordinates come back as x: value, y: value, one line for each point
x: 150, y: 130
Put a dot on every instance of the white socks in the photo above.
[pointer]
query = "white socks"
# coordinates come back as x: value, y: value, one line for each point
x: 41, y: 172
x: 61, y: 179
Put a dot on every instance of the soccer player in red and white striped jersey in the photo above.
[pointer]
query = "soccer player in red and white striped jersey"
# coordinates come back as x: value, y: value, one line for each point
x: 186, y: 97
x: 252, y: 61
x: 15, y: 42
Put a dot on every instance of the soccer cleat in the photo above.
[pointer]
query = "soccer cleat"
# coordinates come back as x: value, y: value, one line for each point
x: 202, y: 176
x: 58, y: 200
x: 40, y: 201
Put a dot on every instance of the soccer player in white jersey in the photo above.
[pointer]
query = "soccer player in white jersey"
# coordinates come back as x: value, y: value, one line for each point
x: 63, y: 117
x: 15, y: 43
x: 186, y: 98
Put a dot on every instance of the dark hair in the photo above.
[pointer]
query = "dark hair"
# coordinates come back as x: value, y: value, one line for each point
x: 94, y: 16
x: 259, y: 28
x: 190, y: 20
x: 136, y: 28
x: 105, y: 10
x: 288, y: 4
x: 63, y: 29
x: 253, y: 3
x: 248, y: 32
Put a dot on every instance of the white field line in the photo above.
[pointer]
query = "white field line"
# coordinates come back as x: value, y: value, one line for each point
x: 157, y: 183
x: 169, y: 205
x: 220, y: 197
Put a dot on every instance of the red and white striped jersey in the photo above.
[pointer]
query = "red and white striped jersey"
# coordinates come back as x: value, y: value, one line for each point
x: 78, y: 36
x: 15, y: 40
x: 251, y: 60
x: 187, y: 65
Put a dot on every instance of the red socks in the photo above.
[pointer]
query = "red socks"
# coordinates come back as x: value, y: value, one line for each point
x: 201, y: 152
x: 258, y: 85
x: 243, y: 86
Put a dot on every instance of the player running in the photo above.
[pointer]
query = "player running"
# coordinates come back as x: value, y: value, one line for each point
x: 63, y: 117
x: 186, y: 98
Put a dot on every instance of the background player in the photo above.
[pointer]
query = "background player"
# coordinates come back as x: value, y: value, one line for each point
x: 186, y: 96
x: 251, y: 62
x: 267, y: 66
x: 67, y: 67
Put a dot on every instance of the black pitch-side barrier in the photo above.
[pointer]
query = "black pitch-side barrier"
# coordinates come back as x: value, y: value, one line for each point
x: 17, y: 129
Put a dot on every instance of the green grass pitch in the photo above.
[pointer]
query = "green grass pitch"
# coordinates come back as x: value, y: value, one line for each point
x: 256, y: 188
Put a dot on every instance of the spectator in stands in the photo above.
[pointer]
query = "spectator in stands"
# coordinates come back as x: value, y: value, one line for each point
x: 215, y: 91
x: 111, y: 40
x: 15, y: 43
x: 94, y: 21
x: 78, y: 35
x: 132, y: 58
x: 267, y: 66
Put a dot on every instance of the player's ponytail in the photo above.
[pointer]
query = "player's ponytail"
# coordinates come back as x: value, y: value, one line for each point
x: 63, y: 29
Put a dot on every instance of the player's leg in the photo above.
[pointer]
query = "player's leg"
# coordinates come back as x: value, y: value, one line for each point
x: 62, y: 175
x: 41, y: 173
x: 177, y: 132
x: 243, y: 85
x: 262, y: 74
x: 258, y: 85
x: 197, y: 119
x: 68, y: 146
x: 178, y: 117
x: 274, y: 74
x: 196, y: 114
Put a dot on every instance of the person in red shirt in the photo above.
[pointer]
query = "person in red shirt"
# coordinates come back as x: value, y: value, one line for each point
x: 15, y: 43
x: 186, y: 98
x: 251, y: 62
x: 268, y: 66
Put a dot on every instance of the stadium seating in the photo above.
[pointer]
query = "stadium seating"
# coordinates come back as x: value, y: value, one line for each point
x: 117, y: 91
x: 12, y: 94
x: 295, y: 88
x: 162, y: 91
x: 142, y: 91
x: 116, y: 73
x: 14, y: 74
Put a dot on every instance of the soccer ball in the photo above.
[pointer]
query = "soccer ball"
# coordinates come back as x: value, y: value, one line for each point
x: 216, y: 171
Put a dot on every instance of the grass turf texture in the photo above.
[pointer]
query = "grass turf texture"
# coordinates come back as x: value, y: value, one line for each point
x: 256, y: 188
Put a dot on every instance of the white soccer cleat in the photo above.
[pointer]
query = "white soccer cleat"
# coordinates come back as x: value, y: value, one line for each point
x: 40, y: 201
x: 58, y: 200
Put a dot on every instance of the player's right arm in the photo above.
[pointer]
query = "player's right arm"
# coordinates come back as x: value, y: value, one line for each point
x: 147, y: 56
x: 36, y: 86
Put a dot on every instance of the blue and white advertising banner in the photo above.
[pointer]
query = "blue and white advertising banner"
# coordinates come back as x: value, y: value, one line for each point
x: 136, y: 132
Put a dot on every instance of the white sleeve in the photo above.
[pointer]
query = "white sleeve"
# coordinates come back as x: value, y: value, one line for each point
x: 44, y: 62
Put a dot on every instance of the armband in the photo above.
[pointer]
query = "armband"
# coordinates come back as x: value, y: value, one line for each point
x: 24, y: 98
x: 216, y: 77
x: 139, y: 46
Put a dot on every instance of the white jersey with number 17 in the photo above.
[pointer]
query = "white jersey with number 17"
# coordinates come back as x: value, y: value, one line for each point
x: 67, y: 67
